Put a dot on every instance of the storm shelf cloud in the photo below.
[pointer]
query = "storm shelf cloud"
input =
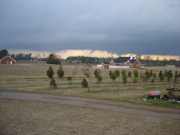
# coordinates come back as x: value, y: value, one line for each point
x: 114, y: 25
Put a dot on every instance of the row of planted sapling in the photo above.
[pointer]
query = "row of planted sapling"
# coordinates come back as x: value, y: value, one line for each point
x: 97, y: 76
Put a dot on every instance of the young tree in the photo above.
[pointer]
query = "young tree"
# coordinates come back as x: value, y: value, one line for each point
x: 151, y: 73
x: 124, y: 76
x: 53, y: 83
x: 148, y: 75
x: 161, y: 76
x: 60, y: 72
x: 112, y: 75
x: 117, y: 73
x: 142, y: 76
x: 86, y: 72
x: 176, y: 76
x: 169, y: 75
x: 50, y: 72
x: 129, y: 74
x: 99, y: 78
x: 84, y: 84
x: 135, y: 76
x: 97, y: 74
x: 153, y: 78
x: 165, y: 73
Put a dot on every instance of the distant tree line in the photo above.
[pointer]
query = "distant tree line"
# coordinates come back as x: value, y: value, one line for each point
x: 121, y: 59
x: 160, y: 63
x: 91, y: 60
x: 22, y: 56
x: 3, y: 53
x: 53, y: 59
x: 96, y: 60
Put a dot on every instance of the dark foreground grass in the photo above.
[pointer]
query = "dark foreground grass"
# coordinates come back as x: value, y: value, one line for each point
x: 162, y: 103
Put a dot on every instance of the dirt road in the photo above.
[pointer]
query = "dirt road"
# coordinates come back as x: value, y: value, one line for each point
x: 92, y: 103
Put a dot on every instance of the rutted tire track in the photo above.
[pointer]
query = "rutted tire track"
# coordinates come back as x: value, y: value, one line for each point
x: 90, y: 103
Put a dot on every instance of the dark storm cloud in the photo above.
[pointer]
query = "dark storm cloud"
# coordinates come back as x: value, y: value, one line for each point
x: 117, y: 25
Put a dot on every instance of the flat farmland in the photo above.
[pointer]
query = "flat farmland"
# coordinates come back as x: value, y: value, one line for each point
x: 32, y: 118
x: 29, y: 106
x: 31, y: 77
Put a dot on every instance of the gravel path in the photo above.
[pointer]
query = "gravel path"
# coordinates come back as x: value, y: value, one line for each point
x: 130, y: 109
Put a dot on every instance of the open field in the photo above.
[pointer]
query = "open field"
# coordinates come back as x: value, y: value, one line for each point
x: 32, y: 77
x: 39, y: 118
x: 35, y: 111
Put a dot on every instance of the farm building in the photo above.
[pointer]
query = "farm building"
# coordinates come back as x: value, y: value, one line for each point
x: 122, y: 63
x: 7, y: 60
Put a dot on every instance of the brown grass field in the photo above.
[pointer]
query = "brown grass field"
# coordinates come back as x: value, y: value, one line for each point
x: 32, y: 77
x: 25, y: 117
x: 37, y: 118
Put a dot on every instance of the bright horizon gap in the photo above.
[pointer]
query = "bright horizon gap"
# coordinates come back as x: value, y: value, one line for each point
x: 120, y: 53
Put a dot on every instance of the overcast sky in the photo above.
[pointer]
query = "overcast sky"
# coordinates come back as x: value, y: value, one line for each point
x: 140, y: 26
